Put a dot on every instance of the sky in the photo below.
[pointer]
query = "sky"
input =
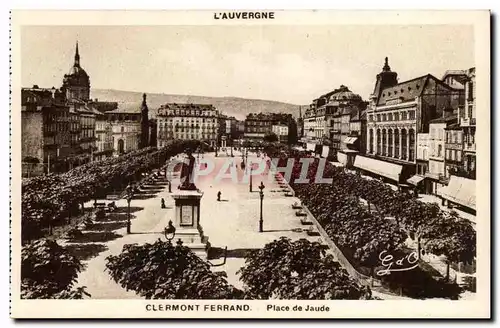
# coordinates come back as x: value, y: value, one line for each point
x: 293, y: 64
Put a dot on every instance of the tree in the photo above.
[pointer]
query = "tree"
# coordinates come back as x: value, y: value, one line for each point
x: 453, y: 237
x: 164, y: 271
x: 296, y: 270
x: 270, y: 137
x: 49, y: 271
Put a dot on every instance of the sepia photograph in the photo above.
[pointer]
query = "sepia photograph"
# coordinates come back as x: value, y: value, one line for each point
x: 220, y: 163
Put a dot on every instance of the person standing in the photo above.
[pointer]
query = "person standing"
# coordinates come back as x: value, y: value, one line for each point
x: 218, y: 195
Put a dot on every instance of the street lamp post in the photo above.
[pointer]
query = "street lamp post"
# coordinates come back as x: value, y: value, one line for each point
x: 251, y: 171
x: 261, y: 220
x: 169, y: 232
x: 128, y: 214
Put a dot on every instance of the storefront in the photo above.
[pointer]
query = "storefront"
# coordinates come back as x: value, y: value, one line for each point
x: 459, y: 191
x: 417, y: 181
x: 379, y: 168
x: 347, y: 157
x: 350, y: 143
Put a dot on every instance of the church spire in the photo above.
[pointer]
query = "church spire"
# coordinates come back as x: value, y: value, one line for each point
x: 300, y: 112
x: 386, y: 65
x: 77, y: 56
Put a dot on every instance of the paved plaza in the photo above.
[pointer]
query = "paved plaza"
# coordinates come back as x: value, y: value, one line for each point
x: 233, y: 223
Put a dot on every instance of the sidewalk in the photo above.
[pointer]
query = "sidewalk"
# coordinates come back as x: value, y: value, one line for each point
x: 147, y: 224
x: 233, y: 222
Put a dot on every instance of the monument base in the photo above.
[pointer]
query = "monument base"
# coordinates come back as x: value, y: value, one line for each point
x: 187, y: 221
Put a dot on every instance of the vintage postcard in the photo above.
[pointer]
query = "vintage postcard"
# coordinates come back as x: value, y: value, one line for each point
x: 250, y: 164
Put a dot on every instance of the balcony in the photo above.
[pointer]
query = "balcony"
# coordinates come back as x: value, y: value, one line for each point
x: 470, y: 147
x: 467, y: 122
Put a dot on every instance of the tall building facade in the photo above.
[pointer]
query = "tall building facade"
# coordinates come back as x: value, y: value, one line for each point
x: 126, y: 130
x: 468, y: 123
x: 187, y: 122
x: 103, y: 136
x: 398, y: 111
x: 50, y: 131
x: 328, y: 120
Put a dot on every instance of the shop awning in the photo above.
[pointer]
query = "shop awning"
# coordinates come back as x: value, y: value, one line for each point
x: 350, y: 140
x: 460, y: 190
x: 415, y: 180
x: 342, y: 158
x: 382, y: 168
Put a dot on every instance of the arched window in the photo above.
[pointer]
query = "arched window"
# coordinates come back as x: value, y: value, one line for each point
x: 379, y: 142
x: 389, y: 140
x: 371, y: 141
x: 396, y: 143
x: 411, y: 136
x: 384, y: 142
x: 404, y: 148
x: 122, y: 129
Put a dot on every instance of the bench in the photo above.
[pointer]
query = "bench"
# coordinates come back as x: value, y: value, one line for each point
x: 304, y: 221
x: 112, y: 197
x: 300, y: 213
x: 99, y: 205
x: 312, y: 233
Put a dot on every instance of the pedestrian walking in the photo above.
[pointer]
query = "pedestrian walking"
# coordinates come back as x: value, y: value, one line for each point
x: 218, y: 196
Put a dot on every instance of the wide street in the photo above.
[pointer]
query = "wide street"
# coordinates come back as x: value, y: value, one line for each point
x: 233, y: 223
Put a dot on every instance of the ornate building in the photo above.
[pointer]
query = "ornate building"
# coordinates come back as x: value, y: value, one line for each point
x: 187, y: 122
x: 398, y: 111
x: 328, y: 119
x: 76, y: 84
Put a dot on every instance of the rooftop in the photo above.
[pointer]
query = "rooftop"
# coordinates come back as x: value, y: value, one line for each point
x: 446, y: 119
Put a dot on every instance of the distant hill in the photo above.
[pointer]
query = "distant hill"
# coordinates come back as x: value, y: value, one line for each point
x: 232, y: 106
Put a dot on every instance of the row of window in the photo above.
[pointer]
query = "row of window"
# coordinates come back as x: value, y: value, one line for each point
x: 181, y: 112
x: 189, y: 120
x: 64, y: 139
x: 251, y: 129
x: 388, y: 143
x: 62, y: 116
x: 454, y: 155
x: 61, y: 127
x: 87, y: 133
x: 258, y: 123
x: 394, y: 116
x: 454, y: 137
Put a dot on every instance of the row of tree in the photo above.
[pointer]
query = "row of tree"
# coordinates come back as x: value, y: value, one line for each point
x: 46, y: 199
x: 283, y: 269
x: 391, y: 217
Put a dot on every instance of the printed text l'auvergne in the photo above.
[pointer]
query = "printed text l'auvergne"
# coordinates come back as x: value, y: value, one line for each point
x: 245, y: 15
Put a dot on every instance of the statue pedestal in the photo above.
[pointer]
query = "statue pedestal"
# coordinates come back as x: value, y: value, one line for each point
x: 187, y: 221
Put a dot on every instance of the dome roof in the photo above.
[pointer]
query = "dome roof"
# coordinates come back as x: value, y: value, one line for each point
x: 343, y: 93
x: 77, y: 71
